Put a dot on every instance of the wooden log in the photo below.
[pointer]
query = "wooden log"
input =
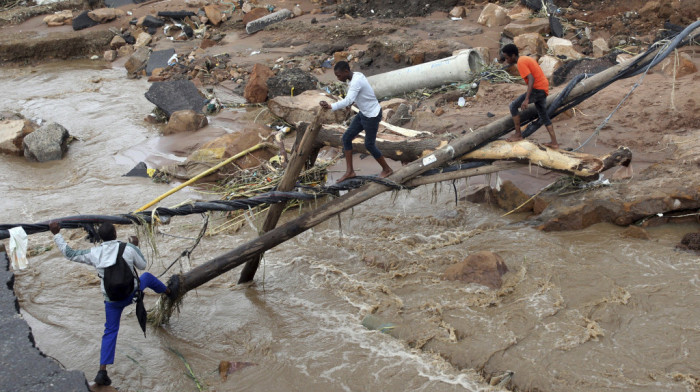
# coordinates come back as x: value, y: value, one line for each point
x: 579, y: 164
x: 399, y: 130
x: 403, y: 151
x: 458, y: 147
x: 300, y: 154
x: 576, y: 163
x: 457, y: 174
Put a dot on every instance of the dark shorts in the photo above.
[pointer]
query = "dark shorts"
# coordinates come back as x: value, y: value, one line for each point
x: 539, y: 98
x: 370, y: 125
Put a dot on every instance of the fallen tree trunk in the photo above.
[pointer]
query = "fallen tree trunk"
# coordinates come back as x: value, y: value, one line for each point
x: 579, y: 164
x: 403, y: 151
x: 576, y: 163
x: 458, y: 147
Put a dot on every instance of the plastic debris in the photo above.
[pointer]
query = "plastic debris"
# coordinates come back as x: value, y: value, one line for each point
x: 461, y: 102
x: 172, y: 60
x: 18, y: 248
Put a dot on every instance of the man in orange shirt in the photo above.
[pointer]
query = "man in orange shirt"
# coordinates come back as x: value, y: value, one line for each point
x: 537, y: 91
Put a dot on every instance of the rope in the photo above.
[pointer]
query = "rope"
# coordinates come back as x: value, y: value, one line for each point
x: 188, y: 252
x: 87, y: 221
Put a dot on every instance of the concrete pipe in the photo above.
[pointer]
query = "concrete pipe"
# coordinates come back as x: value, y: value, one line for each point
x: 436, y: 73
x: 259, y: 24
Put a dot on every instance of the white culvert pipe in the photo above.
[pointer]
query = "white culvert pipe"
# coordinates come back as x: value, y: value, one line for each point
x: 436, y: 73
x: 259, y: 24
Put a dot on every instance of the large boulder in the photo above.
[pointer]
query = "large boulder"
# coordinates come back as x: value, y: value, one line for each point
x: 104, y: 15
x: 303, y: 107
x: 549, y: 64
x: 159, y: 59
x: 484, y: 268
x: 519, y: 27
x: 530, y: 44
x: 401, y: 115
x: 600, y: 47
x: 143, y: 39
x: 59, y: 18
x: 519, y: 12
x: 509, y: 197
x: 83, y: 21
x: 679, y: 67
x: 493, y: 15
x: 255, y: 13
x: 458, y: 12
x: 174, y: 95
x: 563, y: 47
x: 290, y: 82
x: 12, y: 133
x: 213, y: 14
x: 48, y: 143
x: 185, y: 121
x: 117, y: 42
x: 222, y: 148
x: 256, y: 88
x: 137, y: 61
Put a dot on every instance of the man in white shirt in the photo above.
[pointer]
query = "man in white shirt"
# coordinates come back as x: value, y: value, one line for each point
x: 362, y: 94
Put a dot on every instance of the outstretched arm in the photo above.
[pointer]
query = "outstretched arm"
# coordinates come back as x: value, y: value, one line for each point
x: 79, y: 256
x: 353, y: 91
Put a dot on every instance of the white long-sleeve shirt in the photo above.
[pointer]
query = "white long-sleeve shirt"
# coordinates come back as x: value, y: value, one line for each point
x: 362, y: 94
x: 102, y: 256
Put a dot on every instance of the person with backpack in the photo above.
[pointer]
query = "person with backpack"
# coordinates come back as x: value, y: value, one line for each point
x: 115, y: 262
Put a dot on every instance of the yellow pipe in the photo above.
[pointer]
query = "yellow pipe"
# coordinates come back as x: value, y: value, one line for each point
x: 201, y: 175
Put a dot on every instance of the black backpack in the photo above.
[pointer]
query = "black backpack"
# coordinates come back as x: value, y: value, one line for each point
x: 118, y: 279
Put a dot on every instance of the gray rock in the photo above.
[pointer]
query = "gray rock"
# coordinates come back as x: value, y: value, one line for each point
x: 282, y: 83
x: 138, y: 60
x: 25, y: 368
x: 47, y: 143
x: 159, y: 59
x: 151, y: 21
x: 173, y: 95
x: 401, y: 116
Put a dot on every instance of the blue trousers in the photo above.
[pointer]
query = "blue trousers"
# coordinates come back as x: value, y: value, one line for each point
x: 113, y: 313
x: 370, y: 126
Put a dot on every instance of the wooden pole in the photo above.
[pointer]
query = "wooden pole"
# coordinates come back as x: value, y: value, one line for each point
x: 457, y: 174
x: 289, y: 179
x: 458, y: 147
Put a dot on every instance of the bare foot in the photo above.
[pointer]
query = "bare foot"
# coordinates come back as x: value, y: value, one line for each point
x: 553, y: 146
x: 386, y: 173
x: 345, y: 177
x: 516, y: 138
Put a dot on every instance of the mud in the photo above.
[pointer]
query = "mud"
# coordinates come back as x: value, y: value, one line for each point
x: 585, y: 310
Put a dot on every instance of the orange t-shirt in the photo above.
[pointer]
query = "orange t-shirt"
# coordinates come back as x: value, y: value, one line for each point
x: 528, y: 65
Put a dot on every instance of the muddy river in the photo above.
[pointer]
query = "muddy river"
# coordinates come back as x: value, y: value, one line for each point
x: 579, y: 311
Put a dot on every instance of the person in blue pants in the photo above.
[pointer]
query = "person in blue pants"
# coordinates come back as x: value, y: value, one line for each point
x: 101, y: 257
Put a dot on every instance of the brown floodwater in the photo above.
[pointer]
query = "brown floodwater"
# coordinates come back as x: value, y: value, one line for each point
x: 579, y: 311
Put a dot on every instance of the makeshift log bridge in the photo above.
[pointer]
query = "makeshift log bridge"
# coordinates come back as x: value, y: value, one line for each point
x: 449, y: 152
